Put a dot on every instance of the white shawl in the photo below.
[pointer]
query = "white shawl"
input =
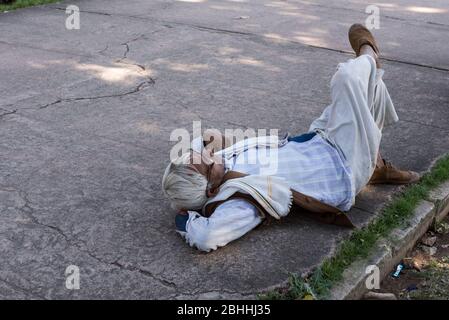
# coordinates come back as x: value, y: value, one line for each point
x: 272, y: 193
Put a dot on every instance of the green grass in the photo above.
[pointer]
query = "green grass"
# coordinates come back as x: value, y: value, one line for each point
x: 24, y: 3
x: 361, y: 242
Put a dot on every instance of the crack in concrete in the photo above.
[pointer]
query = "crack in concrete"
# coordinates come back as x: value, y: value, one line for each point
x: 80, y: 244
x: 86, y: 11
x: 117, y: 264
x: 7, y: 112
x: 127, y: 49
x: 146, y: 273
x: 103, y: 50
x: 263, y: 37
x: 437, y: 24
x: 415, y: 64
x: 169, y: 24
x: 150, y: 80
x: 125, y: 57
x: 197, y: 293
x: 82, y: 247
x: 215, y: 30
x: 140, y: 86
x: 126, y: 52
x: 249, y: 34
x: 408, y: 21
x: 126, y: 44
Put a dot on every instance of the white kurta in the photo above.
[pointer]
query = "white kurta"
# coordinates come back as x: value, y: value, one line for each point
x: 230, y: 220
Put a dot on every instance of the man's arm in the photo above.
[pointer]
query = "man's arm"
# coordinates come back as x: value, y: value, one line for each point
x: 230, y: 221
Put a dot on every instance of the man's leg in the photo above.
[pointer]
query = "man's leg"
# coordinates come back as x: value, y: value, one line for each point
x: 351, y: 123
x: 384, y: 114
x: 383, y: 110
x: 361, y: 106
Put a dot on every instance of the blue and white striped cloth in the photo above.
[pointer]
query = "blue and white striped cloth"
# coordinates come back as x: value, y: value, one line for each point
x: 313, y: 167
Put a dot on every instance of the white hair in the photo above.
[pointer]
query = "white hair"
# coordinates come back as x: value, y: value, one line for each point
x: 183, y: 186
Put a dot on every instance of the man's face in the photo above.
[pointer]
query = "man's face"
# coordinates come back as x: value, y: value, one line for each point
x: 211, y: 167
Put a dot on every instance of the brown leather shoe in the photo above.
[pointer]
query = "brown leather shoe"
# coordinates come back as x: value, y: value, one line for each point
x: 389, y: 174
x: 359, y: 35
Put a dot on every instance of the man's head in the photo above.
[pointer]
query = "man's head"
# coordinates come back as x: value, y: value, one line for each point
x: 192, y: 178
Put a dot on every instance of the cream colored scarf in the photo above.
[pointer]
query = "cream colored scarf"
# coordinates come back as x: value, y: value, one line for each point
x: 272, y: 193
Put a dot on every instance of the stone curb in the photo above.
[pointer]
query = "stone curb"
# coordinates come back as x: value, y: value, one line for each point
x: 391, y: 250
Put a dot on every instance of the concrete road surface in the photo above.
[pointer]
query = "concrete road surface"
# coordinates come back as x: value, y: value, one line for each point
x: 86, y: 117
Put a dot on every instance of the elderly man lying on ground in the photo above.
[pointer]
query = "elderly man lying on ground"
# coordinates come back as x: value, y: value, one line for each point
x: 320, y: 171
